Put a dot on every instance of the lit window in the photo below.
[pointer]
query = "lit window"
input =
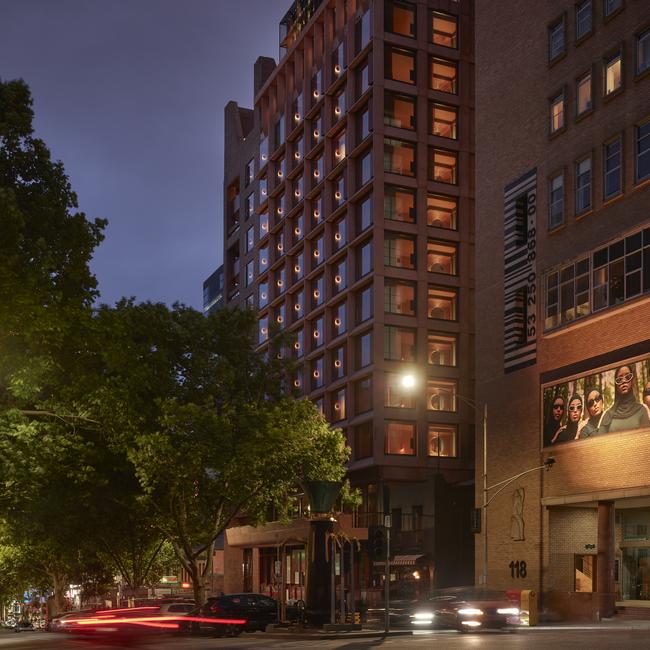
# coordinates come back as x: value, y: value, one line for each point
x: 443, y: 165
x: 442, y: 211
x: 399, y: 251
x: 613, y: 78
x: 441, y: 440
x: 444, y: 29
x: 399, y: 110
x: 567, y: 293
x: 556, y: 201
x: 441, y: 257
x: 583, y: 94
x: 399, y: 297
x: 557, y: 113
x: 612, y: 169
x: 399, y: 204
x: 444, y: 121
x: 400, y: 18
x: 400, y: 438
x: 395, y: 394
x: 441, y: 395
x: 399, y: 64
x: 399, y: 343
x: 583, y: 185
x: 444, y: 76
x: 399, y: 157
x: 441, y: 349
x: 556, y: 40
x: 442, y: 303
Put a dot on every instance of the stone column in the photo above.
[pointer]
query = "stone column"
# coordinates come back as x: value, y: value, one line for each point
x: 605, y: 562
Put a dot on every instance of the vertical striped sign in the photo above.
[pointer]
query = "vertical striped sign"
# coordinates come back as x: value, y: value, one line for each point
x: 520, y: 297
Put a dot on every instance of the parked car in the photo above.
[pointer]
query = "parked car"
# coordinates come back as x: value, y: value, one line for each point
x: 183, y: 607
x: 465, y: 609
x: 257, y: 610
x: 24, y: 626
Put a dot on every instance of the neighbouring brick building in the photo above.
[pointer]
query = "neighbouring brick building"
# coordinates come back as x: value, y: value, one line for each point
x: 563, y: 298
x: 349, y: 223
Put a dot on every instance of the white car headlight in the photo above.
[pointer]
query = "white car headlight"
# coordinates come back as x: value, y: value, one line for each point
x: 470, y: 611
x: 508, y: 611
x: 420, y: 616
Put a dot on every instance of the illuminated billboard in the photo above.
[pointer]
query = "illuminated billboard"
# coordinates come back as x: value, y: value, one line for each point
x: 602, y: 402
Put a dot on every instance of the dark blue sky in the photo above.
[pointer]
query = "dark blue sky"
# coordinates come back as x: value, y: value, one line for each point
x: 129, y: 94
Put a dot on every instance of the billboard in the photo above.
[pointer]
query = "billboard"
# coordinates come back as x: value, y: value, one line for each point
x: 602, y: 402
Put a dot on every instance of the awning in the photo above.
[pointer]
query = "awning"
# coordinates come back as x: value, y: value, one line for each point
x: 403, y: 560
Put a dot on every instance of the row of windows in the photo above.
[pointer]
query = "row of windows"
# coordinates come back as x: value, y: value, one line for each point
x: 400, y: 65
x: 400, y: 438
x: 400, y: 111
x: 612, y: 82
x: 583, y: 25
x: 612, y: 176
x: 401, y: 18
x: 400, y: 157
x: 604, y: 278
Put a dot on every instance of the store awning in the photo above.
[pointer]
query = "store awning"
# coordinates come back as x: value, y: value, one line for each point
x: 403, y: 560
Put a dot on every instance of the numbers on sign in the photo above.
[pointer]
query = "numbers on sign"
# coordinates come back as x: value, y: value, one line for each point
x: 518, y: 569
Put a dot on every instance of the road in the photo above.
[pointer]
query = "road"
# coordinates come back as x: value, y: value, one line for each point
x: 592, y: 639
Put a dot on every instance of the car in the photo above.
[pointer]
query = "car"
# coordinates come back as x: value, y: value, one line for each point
x: 24, y: 626
x: 181, y: 607
x: 465, y: 609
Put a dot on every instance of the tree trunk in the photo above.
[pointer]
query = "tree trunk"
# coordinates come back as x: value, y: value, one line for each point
x: 198, y: 582
x: 59, y: 582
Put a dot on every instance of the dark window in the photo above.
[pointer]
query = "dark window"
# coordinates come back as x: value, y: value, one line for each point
x: 364, y: 259
x: 364, y: 214
x: 612, y: 169
x: 363, y: 350
x: 364, y: 304
x: 642, y: 152
x: 556, y: 40
x: 363, y: 440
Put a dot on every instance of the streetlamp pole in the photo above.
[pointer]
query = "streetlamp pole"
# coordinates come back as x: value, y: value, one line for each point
x: 483, y: 580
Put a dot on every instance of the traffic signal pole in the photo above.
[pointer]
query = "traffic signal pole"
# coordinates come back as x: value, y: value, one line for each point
x: 387, y: 582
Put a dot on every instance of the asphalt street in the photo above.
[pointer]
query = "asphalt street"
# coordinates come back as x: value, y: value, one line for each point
x: 557, y: 639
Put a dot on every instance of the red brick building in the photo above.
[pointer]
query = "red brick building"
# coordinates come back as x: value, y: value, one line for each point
x: 349, y: 223
x: 563, y: 298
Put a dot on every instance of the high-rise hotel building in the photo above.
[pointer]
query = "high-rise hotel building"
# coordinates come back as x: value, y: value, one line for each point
x: 563, y: 299
x: 349, y: 220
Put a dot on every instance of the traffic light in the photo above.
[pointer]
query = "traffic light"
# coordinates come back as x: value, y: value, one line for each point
x: 377, y: 542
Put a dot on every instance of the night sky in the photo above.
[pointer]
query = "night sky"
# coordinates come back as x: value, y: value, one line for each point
x: 129, y: 94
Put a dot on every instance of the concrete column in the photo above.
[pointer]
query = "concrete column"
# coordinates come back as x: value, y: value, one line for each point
x: 606, y: 556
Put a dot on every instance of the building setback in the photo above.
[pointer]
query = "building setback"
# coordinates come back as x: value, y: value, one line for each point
x: 349, y: 223
x: 562, y: 336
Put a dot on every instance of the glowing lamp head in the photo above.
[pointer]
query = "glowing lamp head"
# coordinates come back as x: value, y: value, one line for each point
x: 408, y: 381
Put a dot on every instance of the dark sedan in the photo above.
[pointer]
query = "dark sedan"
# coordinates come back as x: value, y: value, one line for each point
x: 465, y: 609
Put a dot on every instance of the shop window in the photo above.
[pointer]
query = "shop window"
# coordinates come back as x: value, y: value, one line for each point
x: 399, y: 110
x: 400, y: 438
x: 441, y: 440
x: 441, y: 395
x: 442, y: 257
x: 399, y: 344
x: 399, y: 157
x: 399, y: 204
x: 442, y: 303
x: 399, y: 297
x: 399, y: 64
x: 444, y: 76
x: 444, y: 29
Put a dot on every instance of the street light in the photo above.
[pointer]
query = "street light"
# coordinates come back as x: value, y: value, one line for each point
x: 408, y: 380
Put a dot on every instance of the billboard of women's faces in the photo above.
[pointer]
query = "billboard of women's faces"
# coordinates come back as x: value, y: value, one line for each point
x: 615, y: 399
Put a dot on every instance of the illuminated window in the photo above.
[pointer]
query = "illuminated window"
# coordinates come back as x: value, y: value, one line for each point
x: 441, y: 440
x: 399, y: 110
x: 399, y: 64
x: 338, y: 405
x: 557, y: 113
x: 442, y: 303
x: 442, y: 211
x: 612, y: 73
x: 567, y: 293
x: 399, y: 251
x: 444, y: 76
x: 583, y: 94
x: 441, y: 395
x: 400, y: 18
x: 400, y: 438
x: 444, y: 29
x: 441, y: 257
x: 399, y: 157
x: 399, y: 343
x: 395, y: 395
x: 444, y: 121
x: 399, y: 204
x: 443, y: 166
x: 441, y: 349
x: 399, y: 297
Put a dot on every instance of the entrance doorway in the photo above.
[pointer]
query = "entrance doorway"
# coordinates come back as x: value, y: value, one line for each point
x: 635, y: 573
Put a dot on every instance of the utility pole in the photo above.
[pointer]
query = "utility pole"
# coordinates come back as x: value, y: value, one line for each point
x: 387, y: 575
